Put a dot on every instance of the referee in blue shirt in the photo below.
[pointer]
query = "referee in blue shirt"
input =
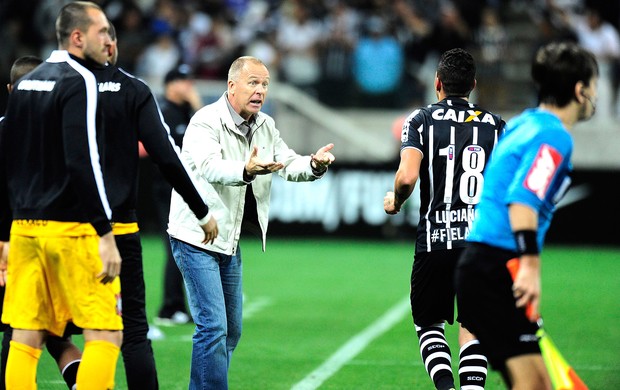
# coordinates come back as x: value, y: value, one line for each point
x: 527, y: 175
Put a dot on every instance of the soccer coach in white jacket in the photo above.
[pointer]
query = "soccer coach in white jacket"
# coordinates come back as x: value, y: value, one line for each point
x: 231, y: 149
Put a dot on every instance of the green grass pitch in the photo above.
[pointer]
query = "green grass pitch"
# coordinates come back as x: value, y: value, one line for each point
x: 306, y: 300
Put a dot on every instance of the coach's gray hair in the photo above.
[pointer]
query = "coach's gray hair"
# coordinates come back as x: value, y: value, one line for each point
x: 73, y: 15
x: 239, y: 63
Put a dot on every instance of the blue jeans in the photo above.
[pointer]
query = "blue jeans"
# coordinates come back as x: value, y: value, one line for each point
x: 213, y: 285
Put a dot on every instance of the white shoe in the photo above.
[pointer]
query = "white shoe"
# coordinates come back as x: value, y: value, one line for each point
x: 155, y: 333
x: 178, y: 318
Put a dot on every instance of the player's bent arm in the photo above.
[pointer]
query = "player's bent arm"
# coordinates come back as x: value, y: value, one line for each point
x: 406, y: 176
x: 154, y: 135
x: 158, y: 144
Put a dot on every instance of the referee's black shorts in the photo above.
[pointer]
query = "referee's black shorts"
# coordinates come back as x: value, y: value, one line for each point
x: 487, y: 308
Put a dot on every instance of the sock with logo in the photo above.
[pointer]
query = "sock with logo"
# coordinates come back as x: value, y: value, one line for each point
x: 436, y: 355
x: 472, y: 366
x: 98, y: 365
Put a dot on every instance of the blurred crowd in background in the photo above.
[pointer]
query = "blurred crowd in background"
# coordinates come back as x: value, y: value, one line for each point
x: 346, y: 53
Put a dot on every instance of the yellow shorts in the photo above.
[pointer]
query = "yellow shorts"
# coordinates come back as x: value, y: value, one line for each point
x: 52, y: 279
x: 124, y: 228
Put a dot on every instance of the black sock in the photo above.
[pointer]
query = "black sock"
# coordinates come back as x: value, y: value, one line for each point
x: 472, y: 366
x: 69, y: 373
x: 436, y: 355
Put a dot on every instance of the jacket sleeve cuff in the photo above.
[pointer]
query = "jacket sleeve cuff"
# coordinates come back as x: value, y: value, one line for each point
x: 247, y: 177
x: 5, y: 233
x: 317, y: 172
x: 205, y: 219
x: 102, y: 227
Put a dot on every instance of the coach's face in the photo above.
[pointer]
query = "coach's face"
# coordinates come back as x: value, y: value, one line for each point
x: 96, y: 40
x: 247, y: 94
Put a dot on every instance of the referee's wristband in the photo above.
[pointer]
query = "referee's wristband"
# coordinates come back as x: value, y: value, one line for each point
x: 527, y: 243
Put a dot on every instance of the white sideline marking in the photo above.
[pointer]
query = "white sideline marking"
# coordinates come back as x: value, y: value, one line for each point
x: 353, y: 347
x: 255, y: 306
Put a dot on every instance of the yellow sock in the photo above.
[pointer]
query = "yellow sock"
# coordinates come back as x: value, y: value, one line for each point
x: 98, y: 365
x: 21, y: 367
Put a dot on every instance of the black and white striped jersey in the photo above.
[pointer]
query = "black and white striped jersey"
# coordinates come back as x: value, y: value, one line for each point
x: 455, y: 138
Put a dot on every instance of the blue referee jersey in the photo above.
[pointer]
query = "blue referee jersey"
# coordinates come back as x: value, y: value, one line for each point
x: 530, y: 166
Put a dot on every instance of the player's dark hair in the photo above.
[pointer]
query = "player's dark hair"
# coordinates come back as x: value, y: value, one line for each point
x: 23, y: 65
x: 73, y: 16
x: 557, y: 67
x: 457, y: 72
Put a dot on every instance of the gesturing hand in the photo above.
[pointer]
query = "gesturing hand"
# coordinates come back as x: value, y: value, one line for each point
x: 255, y: 166
x: 322, y: 158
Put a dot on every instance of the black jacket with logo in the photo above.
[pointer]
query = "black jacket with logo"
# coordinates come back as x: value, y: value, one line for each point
x: 130, y: 114
x: 48, y: 147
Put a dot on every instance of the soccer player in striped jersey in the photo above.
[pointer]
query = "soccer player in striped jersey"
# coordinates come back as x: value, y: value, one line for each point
x: 528, y: 174
x: 445, y: 146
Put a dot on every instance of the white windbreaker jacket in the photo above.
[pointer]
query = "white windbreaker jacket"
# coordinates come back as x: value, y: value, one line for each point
x: 215, y: 153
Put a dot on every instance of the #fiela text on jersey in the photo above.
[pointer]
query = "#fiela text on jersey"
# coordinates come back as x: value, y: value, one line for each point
x: 443, y: 235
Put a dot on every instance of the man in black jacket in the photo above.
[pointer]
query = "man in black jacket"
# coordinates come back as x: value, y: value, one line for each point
x: 62, y: 349
x: 63, y: 260
x: 130, y: 115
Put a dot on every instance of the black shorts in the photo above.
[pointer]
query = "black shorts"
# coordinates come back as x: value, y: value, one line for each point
x: 487, y: 307
x: 432, y: 286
